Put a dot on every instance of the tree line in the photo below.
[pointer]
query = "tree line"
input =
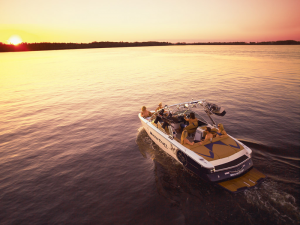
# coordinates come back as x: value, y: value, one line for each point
x: 60, y: 46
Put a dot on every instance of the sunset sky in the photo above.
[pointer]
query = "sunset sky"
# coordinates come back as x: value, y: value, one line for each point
x: 156, y: 20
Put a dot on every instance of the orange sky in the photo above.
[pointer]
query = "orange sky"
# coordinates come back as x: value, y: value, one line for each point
x: 155, y: 20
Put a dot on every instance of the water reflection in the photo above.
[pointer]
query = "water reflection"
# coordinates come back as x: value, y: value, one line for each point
x: 68, y: 121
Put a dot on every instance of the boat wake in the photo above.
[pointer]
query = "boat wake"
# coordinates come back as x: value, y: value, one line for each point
x: 149, y: 149
x: 273, y: 153
x: 280, y: 204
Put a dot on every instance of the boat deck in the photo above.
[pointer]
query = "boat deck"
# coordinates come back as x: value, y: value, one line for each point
x: 217, y: 149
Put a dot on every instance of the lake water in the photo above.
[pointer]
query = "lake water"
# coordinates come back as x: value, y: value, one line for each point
x: 72, y: 149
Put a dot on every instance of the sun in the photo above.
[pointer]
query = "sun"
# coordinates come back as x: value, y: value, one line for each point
x: 15, y: 40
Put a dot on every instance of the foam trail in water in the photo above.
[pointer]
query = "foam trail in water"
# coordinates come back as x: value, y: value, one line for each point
x: 271, y: 198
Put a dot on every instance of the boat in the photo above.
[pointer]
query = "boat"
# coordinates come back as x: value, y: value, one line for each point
x: 223, y: 161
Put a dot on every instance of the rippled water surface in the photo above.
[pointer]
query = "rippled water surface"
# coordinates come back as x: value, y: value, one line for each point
x: 72, y: 149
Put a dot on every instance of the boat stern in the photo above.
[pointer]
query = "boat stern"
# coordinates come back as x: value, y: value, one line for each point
x: 248, y: 180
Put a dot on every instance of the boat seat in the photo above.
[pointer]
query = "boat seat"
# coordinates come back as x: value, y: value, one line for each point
x: 159, y: 125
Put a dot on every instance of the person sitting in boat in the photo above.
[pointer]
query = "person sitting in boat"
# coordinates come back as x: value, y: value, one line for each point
x: 159, y: 116
x: 221, y: 131
x: 208, y: 137
x: 145, y: 113
x: 162, y: 117
x: 184, y: 139
x: 159, y: 107
x: 193, y: 122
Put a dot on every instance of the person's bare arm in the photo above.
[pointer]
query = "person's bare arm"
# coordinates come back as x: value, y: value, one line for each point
x: 188, y: 142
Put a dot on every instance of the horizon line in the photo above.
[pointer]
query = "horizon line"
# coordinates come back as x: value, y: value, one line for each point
x: 179, y: 42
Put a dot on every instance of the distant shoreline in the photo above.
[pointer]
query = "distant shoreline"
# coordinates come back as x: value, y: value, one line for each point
x: 62, y: 46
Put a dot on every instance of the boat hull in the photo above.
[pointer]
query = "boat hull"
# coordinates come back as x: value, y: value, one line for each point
x: 189, y: 161
x: 162, y: 140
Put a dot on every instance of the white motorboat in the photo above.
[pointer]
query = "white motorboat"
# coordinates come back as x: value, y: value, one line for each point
x: 223, y: 160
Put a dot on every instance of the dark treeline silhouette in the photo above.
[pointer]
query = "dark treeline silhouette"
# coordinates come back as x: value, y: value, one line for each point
x: 59, y: 46
x: 286, y: 42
